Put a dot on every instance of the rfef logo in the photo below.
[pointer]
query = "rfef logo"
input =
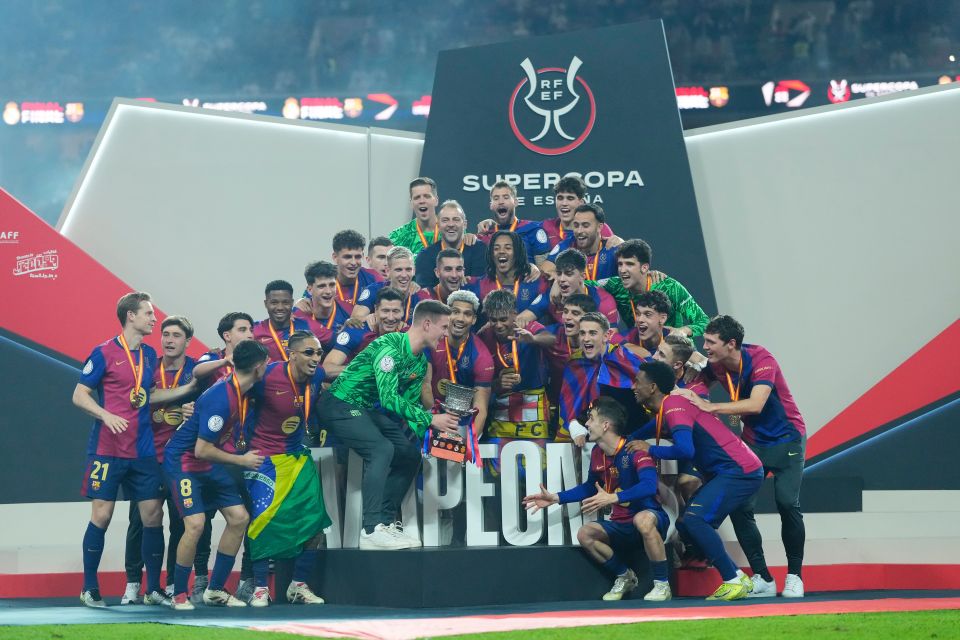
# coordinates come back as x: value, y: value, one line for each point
x: 839, y: 91
x: 556, y: 110
x: 779, y: 93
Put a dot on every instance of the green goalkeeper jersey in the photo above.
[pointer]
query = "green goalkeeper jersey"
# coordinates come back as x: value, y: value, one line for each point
x: 407, y: 236
x: 388, y: 374
x: 686, y: 311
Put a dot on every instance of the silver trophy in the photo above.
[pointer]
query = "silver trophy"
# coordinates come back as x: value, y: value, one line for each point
x: 459, y: 399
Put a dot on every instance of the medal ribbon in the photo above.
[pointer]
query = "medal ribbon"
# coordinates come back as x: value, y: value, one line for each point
x: 460, y: 248
x: 278, y: 341
x: 176, y: 378
x: 516, y: 286
x: 333, y: 315
x: 356, y: 283
x: 607, y: 476
x: 406, y: 314
x: 423, y: 238
x: 561, y: 233
x: 735, y: 393
x: 516, y: 359
x: 241, y: 408
x: 596, y: 261
x: 296, y: 396
x: 452, y: 363
x: 137, y: 370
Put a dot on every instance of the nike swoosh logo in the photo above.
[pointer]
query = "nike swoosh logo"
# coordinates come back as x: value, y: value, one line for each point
x: 793, y: 454
x: 280, y: 393
x: 118, y: 362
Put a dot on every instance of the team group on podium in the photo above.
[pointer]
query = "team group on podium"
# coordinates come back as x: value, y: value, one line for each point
x: 562, y: 329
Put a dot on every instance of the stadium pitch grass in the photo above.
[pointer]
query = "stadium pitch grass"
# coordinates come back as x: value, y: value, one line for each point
x: 939, y: 625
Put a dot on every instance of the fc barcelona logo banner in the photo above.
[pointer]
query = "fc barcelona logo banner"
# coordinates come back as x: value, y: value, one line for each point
x: 598, y: 103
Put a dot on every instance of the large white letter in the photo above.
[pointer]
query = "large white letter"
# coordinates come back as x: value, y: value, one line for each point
x: 561, y: 474
x: 477, y: 489
x: 510, y: 501
x: 433, y: 501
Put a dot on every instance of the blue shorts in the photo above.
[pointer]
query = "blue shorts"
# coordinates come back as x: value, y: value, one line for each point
x: 199, y: 492
x: 723, y: 494
x: 626, y: 534
x: 139, y: 477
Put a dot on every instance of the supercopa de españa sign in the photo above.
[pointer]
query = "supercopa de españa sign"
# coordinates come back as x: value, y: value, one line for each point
x: 599, y: 103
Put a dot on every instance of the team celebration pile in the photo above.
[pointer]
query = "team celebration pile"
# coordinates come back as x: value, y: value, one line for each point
x: 554, y: 331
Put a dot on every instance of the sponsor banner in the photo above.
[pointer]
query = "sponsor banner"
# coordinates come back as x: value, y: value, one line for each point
x: 37, y: 266
x: 602, y: 105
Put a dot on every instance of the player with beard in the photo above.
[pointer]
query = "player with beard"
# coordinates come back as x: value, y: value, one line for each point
x: 568, y: 194
x: 453, y: 235
x: 571, y: 267
x: 520, y: 407
x: 630, y: 487
x: 449, y: 270
x: 400, y: 268
x: 194, y: 468
x: 327, y: 314
x: 377, y: 255
x: 280, y: 323
x: 461, y: 358
x: 286, y: 524
x: 503, y: 204
x: 175, y: 368
x: 601, y: 363
x: 374, y: 408
x: 732, y: 473
x: 387, y: 318
x: 635, y: 277
x: 600, y: 252
x: 773, y: 429
x: 121, y: 450
x: 509, y: 270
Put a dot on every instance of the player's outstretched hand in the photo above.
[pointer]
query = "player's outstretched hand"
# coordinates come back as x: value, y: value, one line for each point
x: 542, y: 500
x: 187, y: 411
x: 580, y: 441
x: 445, y: 422
x: 597, y: 501
x: 116, y: 424
x: 469, y: 239
x: 252, y: 459
x: 486, y: 226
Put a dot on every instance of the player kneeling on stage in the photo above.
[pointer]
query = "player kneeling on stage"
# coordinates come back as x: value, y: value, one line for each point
x: 193, y: 468
x: 732, y: 473
x: 629, y: 485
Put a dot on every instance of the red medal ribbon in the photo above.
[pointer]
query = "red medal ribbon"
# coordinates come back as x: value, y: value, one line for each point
x: 276, y: 339
x: 137, y: 370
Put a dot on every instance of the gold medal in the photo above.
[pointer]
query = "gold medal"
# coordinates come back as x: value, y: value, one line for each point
x: 734, y: 421
x: 442, y: 387
x: 173, y: 416
x: 138, y: 398
x: 158, y: 416
x: 290, y: 425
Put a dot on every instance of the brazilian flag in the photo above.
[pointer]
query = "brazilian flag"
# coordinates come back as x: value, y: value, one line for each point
x: 288, y: 508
